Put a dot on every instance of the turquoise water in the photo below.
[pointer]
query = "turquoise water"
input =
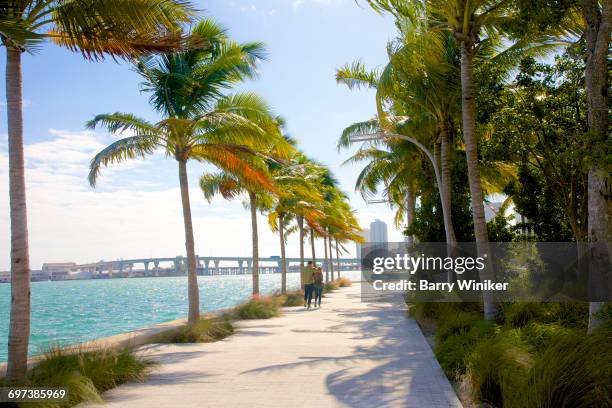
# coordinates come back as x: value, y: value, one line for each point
x: 75, y: 311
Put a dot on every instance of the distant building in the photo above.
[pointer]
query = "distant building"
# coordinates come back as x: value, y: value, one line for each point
x: 366, y: 236
x: 39, y: 276
x: 58, y: 267
x: 378, y: 232
x: 35, y: 276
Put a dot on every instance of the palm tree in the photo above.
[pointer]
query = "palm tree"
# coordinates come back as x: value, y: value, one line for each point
x: 296, y: 197
x: 231, y: 186
x: 420, y: 84
x: 598, y: 27
x: 344, y: 226
x: 119, y: 28
x: 467, y: 21
x: 307, y: 211
x: 200, y: 122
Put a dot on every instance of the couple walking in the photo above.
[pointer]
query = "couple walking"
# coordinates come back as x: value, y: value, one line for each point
x: 313, y: 284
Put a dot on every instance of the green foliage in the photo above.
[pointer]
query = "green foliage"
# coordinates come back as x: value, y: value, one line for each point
x: 258, y: 308
x: 499, y: 230
x: 439, y: 310
x: 204, y: 331
x: 540, y: 124
x: 521, y: 313
x: 428, y: 225
x: 574, y: 315
x: 455, y: 323
x: 533, y: 358
x: 497, y: 368
x: 575, y: 371
x: 539, y: 336
x: 86, y: 373
x: 452, y: 350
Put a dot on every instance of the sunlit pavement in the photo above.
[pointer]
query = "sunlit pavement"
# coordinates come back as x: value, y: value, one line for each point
x: 348, y: 354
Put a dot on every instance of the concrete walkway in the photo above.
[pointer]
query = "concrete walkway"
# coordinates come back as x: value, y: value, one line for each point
x: 348, y: 354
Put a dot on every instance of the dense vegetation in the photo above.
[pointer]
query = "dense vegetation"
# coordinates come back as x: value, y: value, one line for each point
x: 535, y: 355
x: 489, y: 100
x: 85, y: 373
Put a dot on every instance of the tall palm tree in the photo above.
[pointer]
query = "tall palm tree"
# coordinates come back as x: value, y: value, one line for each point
x: 233, y: 185
x: 467, y: 21
x: 419, y: 85
x: 341, y: 225
x: 597, y: 17
x: 119, y: 28
x: 306, y: 211
x: 200, y: 122
x: 296, y: 197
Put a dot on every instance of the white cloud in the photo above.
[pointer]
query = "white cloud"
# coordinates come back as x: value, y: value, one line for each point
x: 135, y: 211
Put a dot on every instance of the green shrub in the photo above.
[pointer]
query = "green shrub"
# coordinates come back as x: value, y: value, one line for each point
x: 292, y: 299
x: 451, y: 354
x: 259, y: 308
x: 452, y: 350
x: 204, y: 331
x: 439, y: 310
x: 331, y: 286
x: 575, y: 371
x: 570, y: 314
x: 540, y: 335
x: 455, y: 323
x: 497, y: 369
x: 86, y: 373
x: 344, y: 282
x: 522, y: 313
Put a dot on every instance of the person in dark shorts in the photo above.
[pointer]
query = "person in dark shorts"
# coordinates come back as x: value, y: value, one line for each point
x: 307, y: 275
x: 317, y: 279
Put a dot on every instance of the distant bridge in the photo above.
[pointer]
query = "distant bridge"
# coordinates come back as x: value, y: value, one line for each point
x: 206, y: 266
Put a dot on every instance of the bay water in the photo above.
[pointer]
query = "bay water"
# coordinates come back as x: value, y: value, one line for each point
x: 69, y: 312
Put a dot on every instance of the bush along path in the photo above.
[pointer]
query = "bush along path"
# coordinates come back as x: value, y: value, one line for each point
x: 536, y: 355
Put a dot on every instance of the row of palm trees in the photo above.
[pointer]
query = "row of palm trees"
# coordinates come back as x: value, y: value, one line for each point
x: 188, y: 76
x: 426, y: 93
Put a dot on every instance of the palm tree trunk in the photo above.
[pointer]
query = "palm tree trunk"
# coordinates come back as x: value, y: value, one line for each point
x: 410, y: 212
x: 19, y: 328
x: 192, y: 277
x: 331, y: 258
x: 491, y: 309
x: 300, y: 220
x: 451, y: 239
x: 598, y: 27
x: 281, y: 229
x: 326, y: 265
x: 255, y: 240
x: 338, y: 258
x: 312, y: 247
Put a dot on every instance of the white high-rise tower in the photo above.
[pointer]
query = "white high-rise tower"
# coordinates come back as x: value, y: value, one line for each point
x: 378, y: 232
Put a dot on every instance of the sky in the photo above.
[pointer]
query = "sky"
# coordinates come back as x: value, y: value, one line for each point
x: 135, y: 209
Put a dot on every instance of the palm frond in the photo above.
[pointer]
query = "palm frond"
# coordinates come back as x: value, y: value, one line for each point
x: 118, y: 28
x: 357, y: 129
x: 121, y: 150
x: 356, y: 76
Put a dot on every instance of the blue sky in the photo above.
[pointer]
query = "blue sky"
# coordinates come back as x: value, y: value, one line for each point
x: 135, y: 211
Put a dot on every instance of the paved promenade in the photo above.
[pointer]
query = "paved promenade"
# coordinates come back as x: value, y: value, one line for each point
x: 348, y: 354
